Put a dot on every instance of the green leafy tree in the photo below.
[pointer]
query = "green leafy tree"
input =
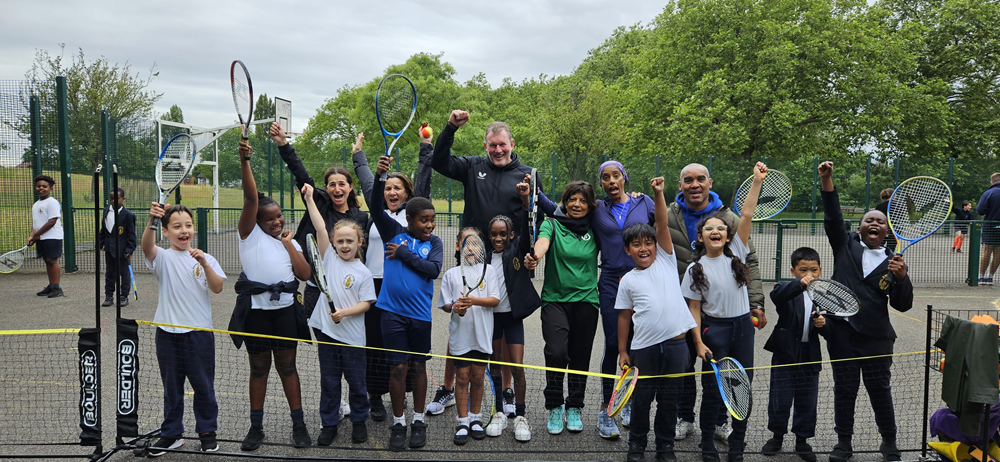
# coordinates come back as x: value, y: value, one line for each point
x: 175, y: 114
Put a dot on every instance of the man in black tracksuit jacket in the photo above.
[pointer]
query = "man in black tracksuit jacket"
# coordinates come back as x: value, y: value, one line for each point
x: 868, y: 333
x: 490, y: 182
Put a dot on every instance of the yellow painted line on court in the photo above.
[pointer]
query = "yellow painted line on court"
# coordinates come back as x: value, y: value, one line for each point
x: 39, y: 331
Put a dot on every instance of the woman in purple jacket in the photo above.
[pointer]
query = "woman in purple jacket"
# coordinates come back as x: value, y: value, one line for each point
x: 615, y: 213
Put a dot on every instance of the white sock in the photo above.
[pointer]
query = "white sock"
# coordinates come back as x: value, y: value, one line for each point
x: 418, y: 417
x: 463, y: 421
x: 981, y: 275
x: 399, y: 420
x: 476, y: 418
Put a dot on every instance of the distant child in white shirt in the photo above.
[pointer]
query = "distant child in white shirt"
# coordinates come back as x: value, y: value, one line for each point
x: 649, y: 297
x: 470, y: 338
x: 341, y: 332
x: 47, y: 233
x: 185, y: 277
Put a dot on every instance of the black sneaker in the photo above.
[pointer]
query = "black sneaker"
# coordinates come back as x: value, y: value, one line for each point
x: 253, y: 438
x: 157, y: 449
x: 772, y: 446
x: 44, y: 291
x: 208, y: 442
x: 418, y: 434
x: 709, y: 453
x: 842, y: 450
x: 124, y: 300
x: 326, y: 435
x: 300, y: 435
x: 377, y: 410
x: 397, y: 437
x: 57, y: 292
x: 635, y: 452
x: 359, y: 432
x: 665, y: 453
x: 508, y: 402
x: 889, y: 450
x: 804, y: 450
x: 108, y: 301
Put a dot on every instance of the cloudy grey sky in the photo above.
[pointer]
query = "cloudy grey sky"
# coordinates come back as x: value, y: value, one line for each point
x: 304, y: 51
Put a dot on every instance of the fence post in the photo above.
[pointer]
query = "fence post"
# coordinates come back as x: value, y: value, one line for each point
x: 449, y: 195
x: 270, y: 191
x: 868, y: 180
x: 951, y: 172
x: 281, y: 180
x: 106, y: 150
x: 343, y: 155
x: 812, y: 226
x: 36, y: 136
x: 554, y: 175
x: 65, y: 168
x: 777, y: 251
x: 711, y: 159
x: 975, y: 235
x: 896, y: 165
x: 202, y: 213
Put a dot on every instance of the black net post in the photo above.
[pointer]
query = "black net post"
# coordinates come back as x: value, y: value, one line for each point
x: 65, y: 168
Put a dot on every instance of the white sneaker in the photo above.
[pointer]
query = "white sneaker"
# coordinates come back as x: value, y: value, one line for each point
x: 683, y: 429
x: 722, y: 432
x: 497, y: 424
x: 345, y: 408
x: 522, y: 431
x: 442, y: 399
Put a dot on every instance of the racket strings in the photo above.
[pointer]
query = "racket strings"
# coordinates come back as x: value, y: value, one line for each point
x: 12, y: 260
x: 173, y: 167
x: 918, y: 207
x: 241, y: 94
x: 833, y: 298
x: 621, y: 389
x: 775, y: 193
x: 395, y: 103
x: 735, y: 387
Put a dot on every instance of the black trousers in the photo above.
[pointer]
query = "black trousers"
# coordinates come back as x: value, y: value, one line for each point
x: 725, y: 337
x: 843, y: 342
x: 793, y: 386
x: 116, y: 271
x: 568, y: 330
x: 667, y: 357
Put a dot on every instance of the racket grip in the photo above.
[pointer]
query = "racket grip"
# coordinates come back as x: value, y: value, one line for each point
x: 383, y: 176
x: 155, y: 224
x: 333, y: 309
x: 708, y: 357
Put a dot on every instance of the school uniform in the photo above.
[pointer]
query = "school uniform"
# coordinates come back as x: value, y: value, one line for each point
x: 49, y: 244
x: 869, y: 333
x: 183, y: 352
x: 406, y: 300
x: 727, y: 330
x: 794, y: 340
x: 350, y: 283
x: 265, y: 260
x: 116, y: 263
x: 469, y: 336
x: 661, y: 318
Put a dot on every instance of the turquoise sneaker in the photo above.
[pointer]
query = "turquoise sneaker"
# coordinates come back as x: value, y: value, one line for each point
x: 573, y: 421
x: 555, y: 425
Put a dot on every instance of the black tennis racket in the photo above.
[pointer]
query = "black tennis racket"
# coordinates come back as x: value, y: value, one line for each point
x: 623, y: 389
x: 532, y: 213
x: 11, y: 261
x: 734, y: 385
x: 242, y: 95
x: 395, y: 106
x: 832, y: 297
x: 172, y: 167
x: 316, y: 260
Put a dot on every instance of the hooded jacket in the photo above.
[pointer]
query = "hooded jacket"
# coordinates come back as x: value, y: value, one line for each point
x: 489, y: 190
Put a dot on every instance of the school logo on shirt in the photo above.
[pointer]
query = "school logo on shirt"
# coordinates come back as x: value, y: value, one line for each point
x: 586, y: 237
x: 883, y: 283
x: 121, y: 230
x: 482, y: 285
x: 517, y: 264
x: 196, y: 270
x: 298, y: 298
x: 349, y: 281
x: 424, y: 251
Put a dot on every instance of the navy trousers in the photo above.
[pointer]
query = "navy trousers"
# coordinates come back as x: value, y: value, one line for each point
x: 667, y: 357
x: 793, y: 386
x: 113, y: 272
x: 731, y: 337
x: 190, y: 355
x: 336, y: 361
x: 568, y: 330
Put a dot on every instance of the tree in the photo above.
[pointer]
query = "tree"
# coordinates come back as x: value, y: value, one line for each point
x: 173, y: 115
x: 91, y: 87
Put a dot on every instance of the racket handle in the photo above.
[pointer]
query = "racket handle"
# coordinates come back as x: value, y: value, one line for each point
x: 383, y: 176
x: 155, y: 224
x: 333, y: 309
x: 708, y: 357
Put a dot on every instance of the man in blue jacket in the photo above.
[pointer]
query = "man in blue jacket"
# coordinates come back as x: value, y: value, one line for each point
x: 989, y: 209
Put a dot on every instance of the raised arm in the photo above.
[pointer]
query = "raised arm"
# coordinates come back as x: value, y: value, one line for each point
x: 660, y: 213
x: 446, y: 164
x: 322, y: 236
x: 422, y: 183
x: 361, y: 169
x: 750, y: 204
x: 287, y: 153
x: 148, y: 235
x: 833, y: 216
x: 248, y: 217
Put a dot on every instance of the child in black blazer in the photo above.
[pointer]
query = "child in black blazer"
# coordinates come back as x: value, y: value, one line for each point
x: 795, y: 340
x: 117, y: 259
x: 878, y: 278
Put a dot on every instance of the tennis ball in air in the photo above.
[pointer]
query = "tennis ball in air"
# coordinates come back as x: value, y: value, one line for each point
x: 425, y: 131
x: 755, y: 322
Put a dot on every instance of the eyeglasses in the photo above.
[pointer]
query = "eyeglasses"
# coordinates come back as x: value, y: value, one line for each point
x: 713, y: 228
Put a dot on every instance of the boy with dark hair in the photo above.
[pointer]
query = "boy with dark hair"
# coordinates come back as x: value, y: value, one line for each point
x: 47, y: 232
x: 413, y: 259
x: 650, y: 297
x: 117, y: 260
x: 865, y: 340
x: 793, y: 341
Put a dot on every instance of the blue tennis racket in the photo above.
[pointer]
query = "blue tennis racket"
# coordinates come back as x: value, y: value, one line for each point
x: 918, y: 207
x: 395, y: 106
x: 172, y: 167
x: 775, y: 195
x: 135, y: 291
x: 734, y: 385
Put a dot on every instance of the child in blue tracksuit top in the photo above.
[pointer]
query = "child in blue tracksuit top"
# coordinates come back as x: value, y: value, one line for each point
x: 413, y: 259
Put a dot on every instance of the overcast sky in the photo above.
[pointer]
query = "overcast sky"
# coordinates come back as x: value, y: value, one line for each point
x: 304, y: 51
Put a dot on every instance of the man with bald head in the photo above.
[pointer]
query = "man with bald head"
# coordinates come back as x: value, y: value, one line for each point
x: 694, y: 202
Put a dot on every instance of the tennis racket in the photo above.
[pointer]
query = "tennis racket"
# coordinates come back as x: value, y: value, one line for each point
x: 734, y: 385
x: 775, y: 194
x: 489, y: 405
x: 242, y: 95
x: 135, y: 291
x: 833, y: 297
x: 172, y: 168
x: 395, y: 105
x: 917, y: 208
x: 623, y: 389
x: 532, y: 213
x: 11, y: 261
x: 317, y: 266
x: 473, y: 265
